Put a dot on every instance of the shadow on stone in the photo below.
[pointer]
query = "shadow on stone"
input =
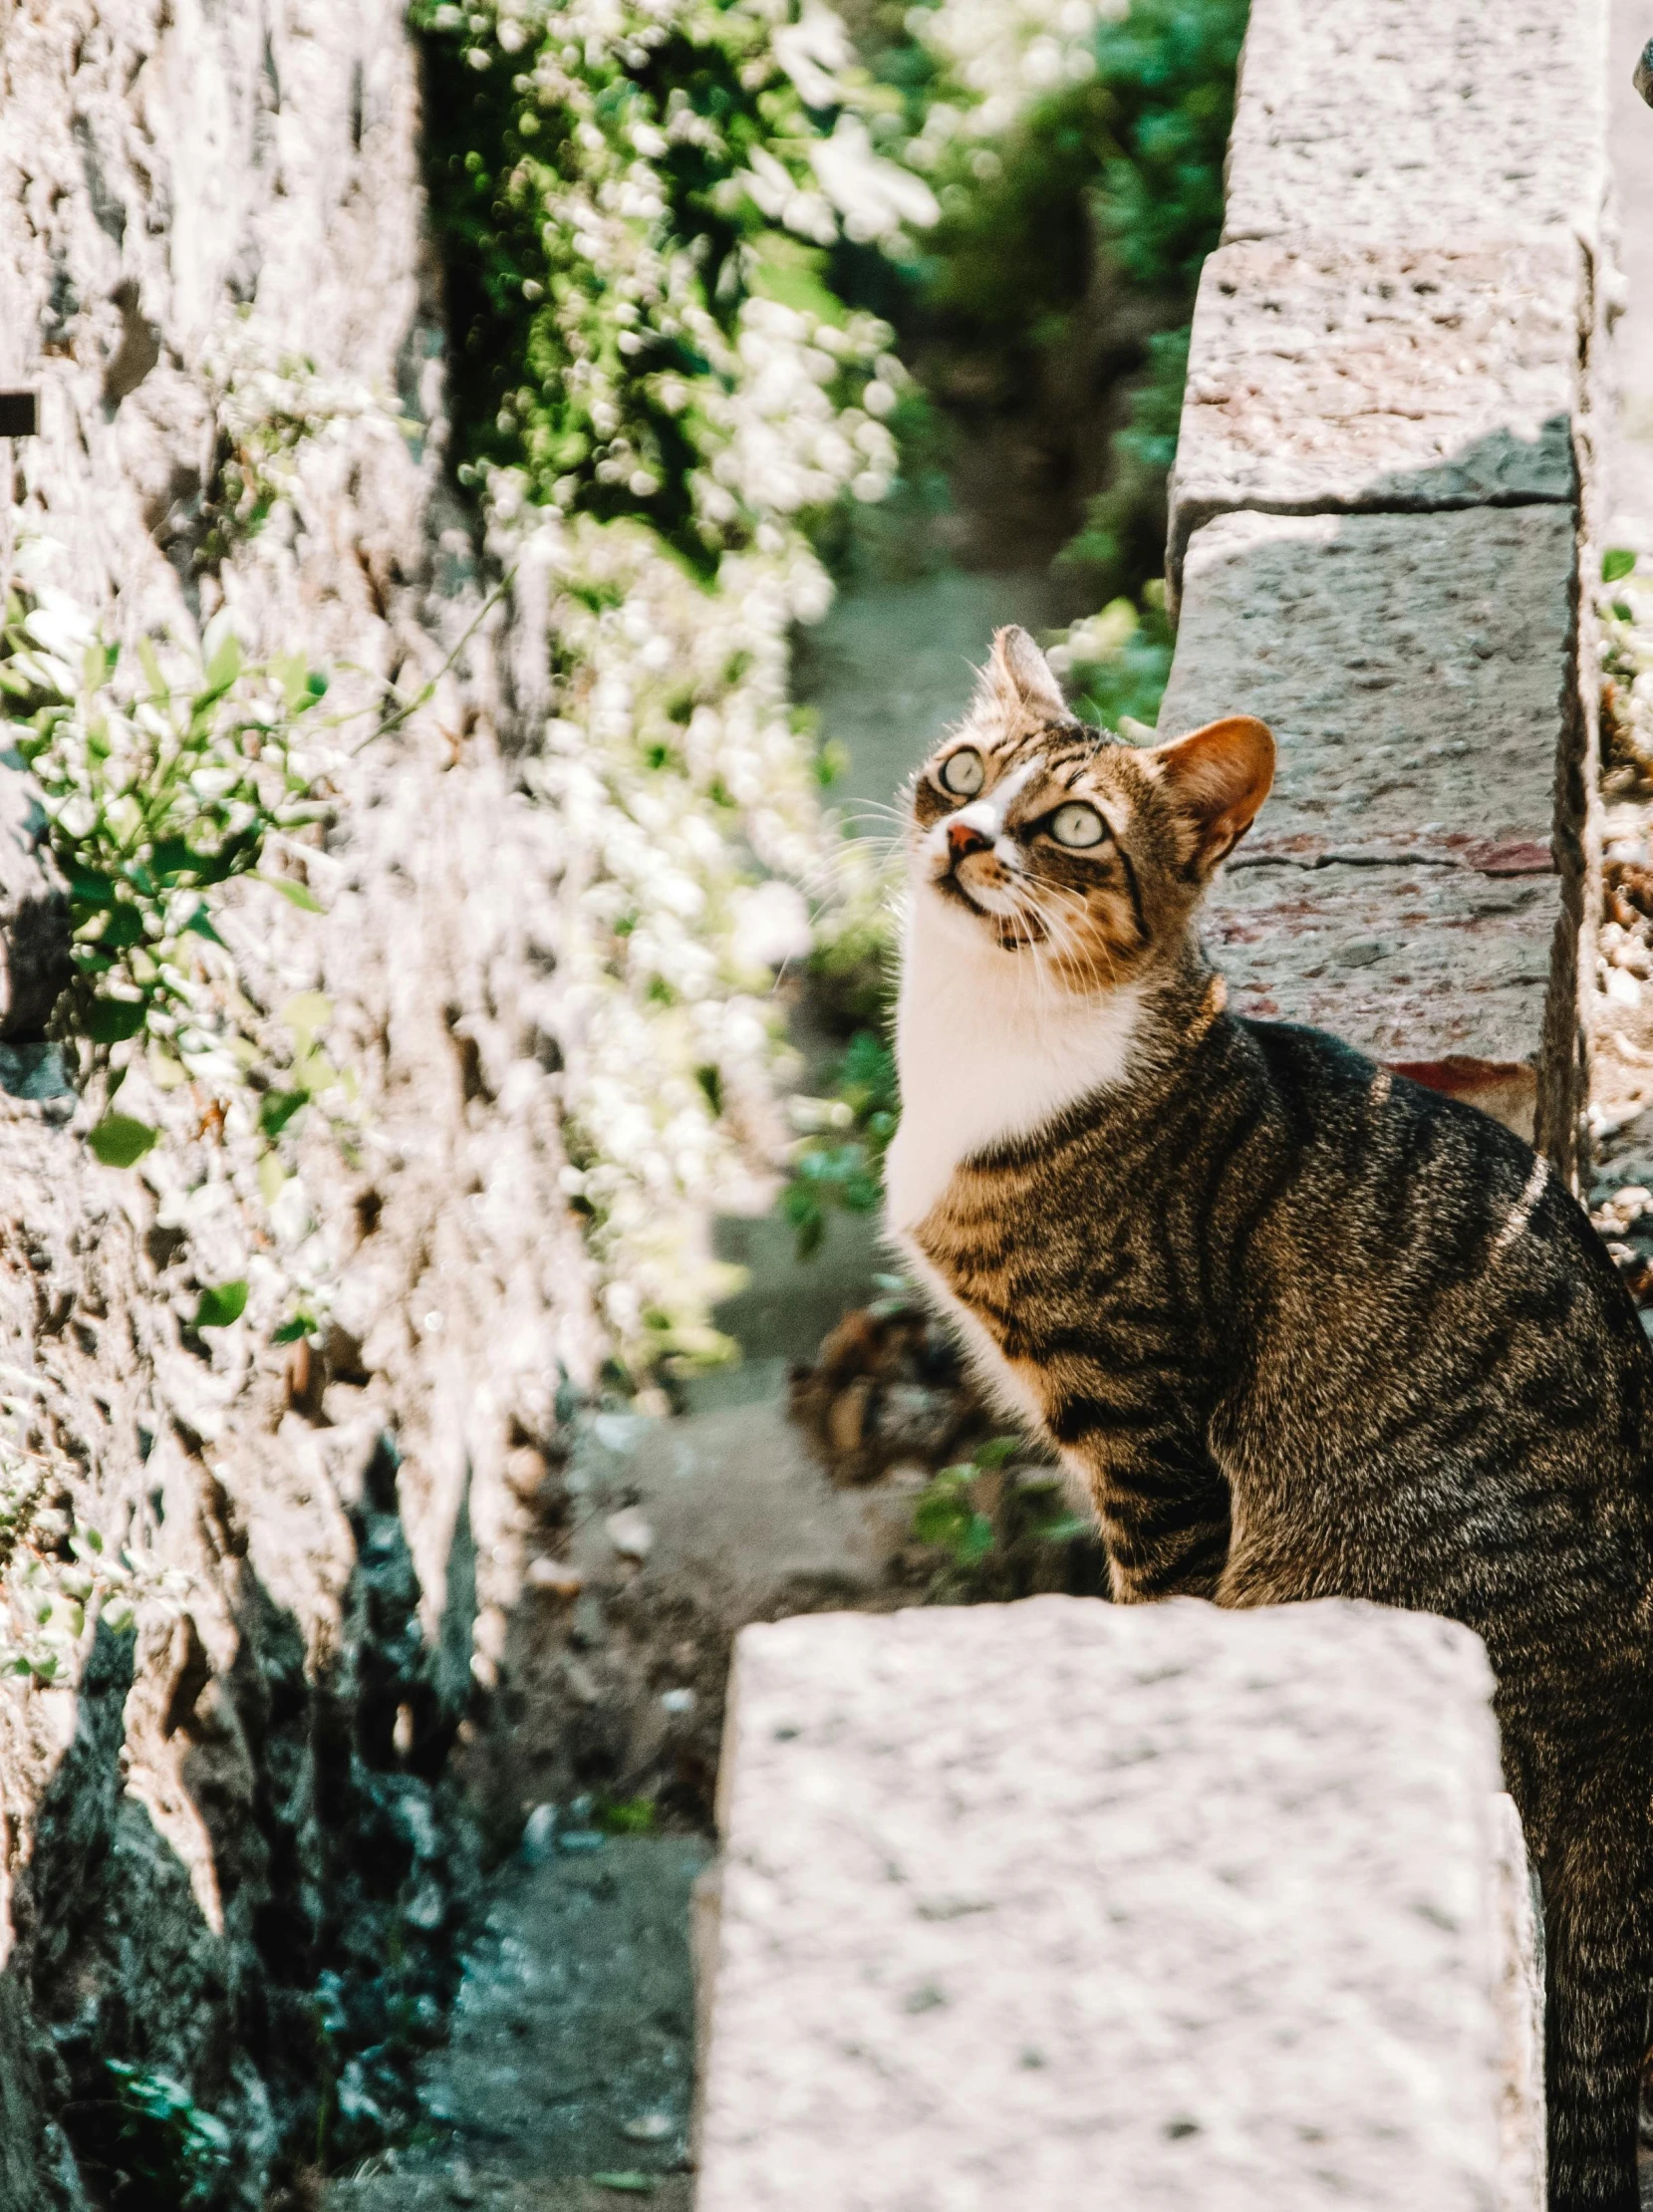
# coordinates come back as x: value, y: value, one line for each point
x: 193, y: 2063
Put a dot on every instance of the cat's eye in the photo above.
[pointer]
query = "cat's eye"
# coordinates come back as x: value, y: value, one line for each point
x: 1077, y: 826
x: 962, y: 773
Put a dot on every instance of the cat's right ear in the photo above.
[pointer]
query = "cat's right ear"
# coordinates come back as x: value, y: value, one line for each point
x: 1020, y: 680
x: 1216, y: 778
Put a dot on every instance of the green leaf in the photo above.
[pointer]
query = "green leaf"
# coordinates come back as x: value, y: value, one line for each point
x: 998, y: 1451
x: 295, y: 1330
x: 294, y: 893
x: 220, y: 1305
x: 88, y: 889
x: 1617, y: 561
x: 1064, y: 1529
x: 278, y: 1109
x: 121, y: 1142
x: 122, y: 927
x: 974, y: 1540
x: 199, y: 925
x: 224, y: 665
x: 108, y: 1020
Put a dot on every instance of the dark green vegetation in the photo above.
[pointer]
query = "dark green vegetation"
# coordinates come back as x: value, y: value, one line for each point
x: 1059, y: 285
x: 593, y: 353
x: 1006, y: 1533
x: 347, y: 1897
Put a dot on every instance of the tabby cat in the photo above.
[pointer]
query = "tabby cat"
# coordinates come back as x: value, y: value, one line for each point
x: 1302, y: 1329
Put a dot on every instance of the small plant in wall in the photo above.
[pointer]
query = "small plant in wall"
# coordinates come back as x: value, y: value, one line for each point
x: 167, y: 774
x: 55, y: 1573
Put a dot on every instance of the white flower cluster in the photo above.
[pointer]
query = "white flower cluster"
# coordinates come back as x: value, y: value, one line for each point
x: 267, y: 410
x: 672, y: 758
x: 689, y: 419
x: 1002, y: 54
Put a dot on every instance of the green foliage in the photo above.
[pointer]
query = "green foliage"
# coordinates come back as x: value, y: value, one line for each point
x: 161, y: 784
x: 220, y: 1305
x: 608, y: 208
x: 1617, y: 563
x: 173, y: 2153
x: 1106, y: 191
x: 1116, y: 665
x: 1002, y: 1533
x: 1123, y: 537
x: 1127, y: 162
x: 626, y: 1815
x: 837, y: 1164
x: 121, y: 1142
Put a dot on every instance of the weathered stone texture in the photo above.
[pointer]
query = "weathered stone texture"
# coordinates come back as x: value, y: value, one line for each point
x: 1407, y: 665
x: 1062, y: 1902
x: 1398, y: 888
x: 1328, y: 374
x: 166, y: 166
x: 1405, y: 314
x: 1415, y: 120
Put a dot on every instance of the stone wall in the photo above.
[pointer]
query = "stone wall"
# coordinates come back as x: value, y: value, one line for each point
x: 1385, y: 481
x: 256, y: 1797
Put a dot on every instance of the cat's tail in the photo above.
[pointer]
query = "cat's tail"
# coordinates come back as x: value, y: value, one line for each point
x: 1594, y: 1870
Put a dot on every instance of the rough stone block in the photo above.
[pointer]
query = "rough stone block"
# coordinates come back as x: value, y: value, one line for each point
x: 1065, y: 1903
x: 1411, y: 120
x: 1328, y: 377
x: 1398, y: 888
x: 34, y: 912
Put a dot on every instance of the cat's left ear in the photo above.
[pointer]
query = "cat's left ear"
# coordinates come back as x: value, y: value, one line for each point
x: 1216, y: 778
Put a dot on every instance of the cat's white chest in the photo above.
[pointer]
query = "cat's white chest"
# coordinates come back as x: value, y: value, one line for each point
x: 986, y: 1049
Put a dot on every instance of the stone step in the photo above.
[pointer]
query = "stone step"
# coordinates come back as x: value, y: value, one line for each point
x: 1330, y: 374
x: 1065, y: 1903
x: 1413, y: 120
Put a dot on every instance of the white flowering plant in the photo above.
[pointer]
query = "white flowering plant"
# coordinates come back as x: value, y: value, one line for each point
x: 164, y: 776
x: 267, y: 409
x: 663, y: 400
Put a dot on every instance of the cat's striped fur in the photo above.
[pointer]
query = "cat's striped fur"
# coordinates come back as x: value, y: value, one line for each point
x: 1300, y: 1327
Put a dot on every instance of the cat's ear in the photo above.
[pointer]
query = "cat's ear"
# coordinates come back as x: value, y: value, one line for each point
x: 1216, y: 778
x: 1021, y: 677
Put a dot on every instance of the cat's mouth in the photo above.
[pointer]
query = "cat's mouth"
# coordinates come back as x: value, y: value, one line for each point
x: 1016, y: 933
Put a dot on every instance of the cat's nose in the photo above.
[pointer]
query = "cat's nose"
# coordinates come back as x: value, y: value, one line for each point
x: 964, y: 838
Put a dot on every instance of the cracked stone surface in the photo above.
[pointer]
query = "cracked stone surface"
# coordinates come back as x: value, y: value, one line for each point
x: 1218, y: 1904
x: 1414, y: 119
x: 1329, y: 374
x: 1398, y: 886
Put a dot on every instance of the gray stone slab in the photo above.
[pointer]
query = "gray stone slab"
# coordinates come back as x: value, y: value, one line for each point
x: 1397, y: 888
x: 1411, y: 120
x: 1327, y: 375
x: 1065, y: 1903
